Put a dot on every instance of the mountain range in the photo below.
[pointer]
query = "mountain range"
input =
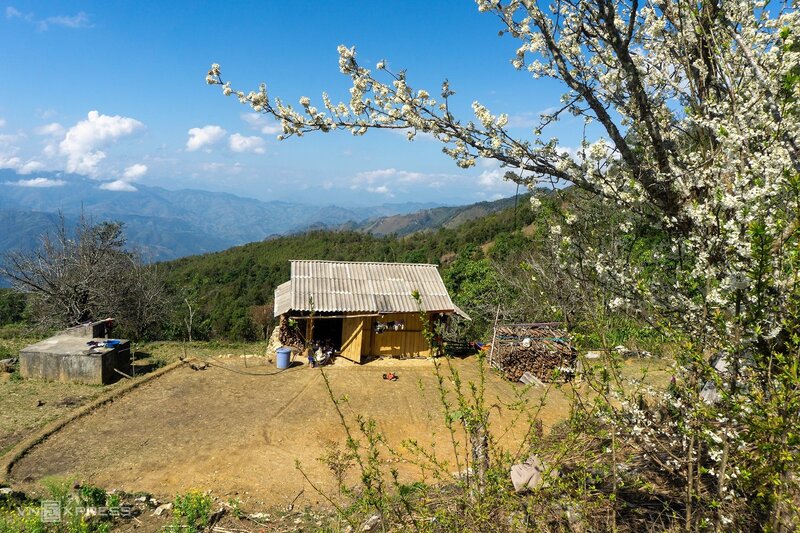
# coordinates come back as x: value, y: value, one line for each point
x: 167, y: 224
x: 163, y: 224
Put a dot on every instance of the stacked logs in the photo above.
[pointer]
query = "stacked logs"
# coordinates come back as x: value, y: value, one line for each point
x: 543, y: 349
x: 290, y: 334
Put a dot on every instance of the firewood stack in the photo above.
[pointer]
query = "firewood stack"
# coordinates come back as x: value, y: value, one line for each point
x: 290, y: 336
x: 540, y: 349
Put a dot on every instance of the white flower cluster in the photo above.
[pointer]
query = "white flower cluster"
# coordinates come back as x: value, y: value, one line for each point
x: 701, y: 120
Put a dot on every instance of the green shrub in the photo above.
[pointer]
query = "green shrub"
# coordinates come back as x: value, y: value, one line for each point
x: 191, y: 511
x: 93, y: 496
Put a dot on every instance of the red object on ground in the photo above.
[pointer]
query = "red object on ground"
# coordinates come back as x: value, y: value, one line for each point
x: 390, y: 376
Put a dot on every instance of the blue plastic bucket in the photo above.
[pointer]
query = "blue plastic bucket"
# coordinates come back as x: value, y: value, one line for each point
x: 284, y: 354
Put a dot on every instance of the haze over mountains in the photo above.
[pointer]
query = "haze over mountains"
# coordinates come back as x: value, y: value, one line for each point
x: 167, y: 224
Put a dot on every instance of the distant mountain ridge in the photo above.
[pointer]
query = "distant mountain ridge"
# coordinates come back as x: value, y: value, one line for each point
x: 431, y: 219
x: 164, y: 224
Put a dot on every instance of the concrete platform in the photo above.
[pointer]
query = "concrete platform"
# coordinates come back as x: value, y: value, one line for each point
x: 68, y: 358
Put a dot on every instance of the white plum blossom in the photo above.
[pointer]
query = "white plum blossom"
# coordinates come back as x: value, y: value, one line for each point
x: 699, y: 105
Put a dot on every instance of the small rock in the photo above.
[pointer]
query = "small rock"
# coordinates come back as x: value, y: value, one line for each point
x: 39, y: 403
x: 5, y: 491
x: 371, y: 523
x: 161, y: 508
x: 141, y: 499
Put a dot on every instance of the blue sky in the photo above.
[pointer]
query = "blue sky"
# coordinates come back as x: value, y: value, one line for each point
x: 113, y: 90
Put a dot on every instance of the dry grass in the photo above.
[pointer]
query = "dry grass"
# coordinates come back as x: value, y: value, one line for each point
x: 170, y: 351
x: 28, y: 405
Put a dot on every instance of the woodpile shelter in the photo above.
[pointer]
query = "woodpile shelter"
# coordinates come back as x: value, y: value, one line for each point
x: 538, y: 352
x: 362, y: 309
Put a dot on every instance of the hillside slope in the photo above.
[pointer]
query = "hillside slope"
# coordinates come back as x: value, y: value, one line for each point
x: 432, y: 219
x: 224, y: 286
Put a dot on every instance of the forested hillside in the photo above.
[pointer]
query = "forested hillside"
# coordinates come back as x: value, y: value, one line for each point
x: 224, y: 287
x: 432, y: 219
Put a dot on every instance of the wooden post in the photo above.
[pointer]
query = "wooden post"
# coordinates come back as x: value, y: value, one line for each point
x: 494, y: 335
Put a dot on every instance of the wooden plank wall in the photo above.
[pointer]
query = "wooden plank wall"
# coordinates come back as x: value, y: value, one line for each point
x: 353, y: 338
x: 407, y: 342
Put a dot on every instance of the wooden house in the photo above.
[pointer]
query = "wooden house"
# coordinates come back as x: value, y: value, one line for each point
x: 364, y: 309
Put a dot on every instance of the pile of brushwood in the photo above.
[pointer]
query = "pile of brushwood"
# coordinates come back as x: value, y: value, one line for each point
x: 543, y: 349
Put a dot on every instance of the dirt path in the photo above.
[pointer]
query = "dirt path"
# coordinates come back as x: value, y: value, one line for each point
x: 240, y: 434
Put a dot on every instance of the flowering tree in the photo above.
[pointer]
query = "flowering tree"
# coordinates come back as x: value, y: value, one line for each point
x: 699, y: 163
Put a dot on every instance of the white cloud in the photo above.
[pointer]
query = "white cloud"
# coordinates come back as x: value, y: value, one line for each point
x: 10, y: 159
x: 392, y: 181
x: 45, y: 114
x: 30, y: 166
x: 80, y: 20
x: 492, y: 178
x: 240, y: 143
x: 134, y: 172
x: 383, y: 189
x: 13, y: 12
x: 260, y: 122
x: 528, y: 119
x: 205, y: 136
x: 118, y: 186
x: 2, y: 123
x: 222, y: 168
x: 8, y: 138
x: 54, y: 128
x: 37, y: 182
x: 83, y: 141
x: 372, y: 176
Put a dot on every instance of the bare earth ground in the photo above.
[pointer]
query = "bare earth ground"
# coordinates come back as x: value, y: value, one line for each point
x: 240, y: 435
x: 28, y: 405
x: 25, y: 406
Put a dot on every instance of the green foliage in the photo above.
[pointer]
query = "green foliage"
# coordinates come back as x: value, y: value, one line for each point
x: 20, y: 514
x: 91, y: 496
x: 191, y: 511
x: 224, y: 286
x: 12, y: 306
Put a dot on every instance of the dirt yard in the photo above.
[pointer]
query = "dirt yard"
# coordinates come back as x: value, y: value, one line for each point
x: 26, y: 405
x: 240, y: 435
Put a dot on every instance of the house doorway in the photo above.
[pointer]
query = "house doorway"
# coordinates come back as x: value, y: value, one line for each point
x: 328, y: 331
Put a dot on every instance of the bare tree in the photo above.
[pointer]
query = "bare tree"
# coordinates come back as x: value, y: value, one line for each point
x: 83, y: 274
x: 262, y: 318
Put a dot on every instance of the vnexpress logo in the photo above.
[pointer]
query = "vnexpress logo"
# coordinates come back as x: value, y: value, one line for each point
x: 50, y: 511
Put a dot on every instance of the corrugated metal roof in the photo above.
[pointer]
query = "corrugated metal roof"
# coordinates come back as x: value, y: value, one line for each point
x: 340, y: 286
x: 283, y: 297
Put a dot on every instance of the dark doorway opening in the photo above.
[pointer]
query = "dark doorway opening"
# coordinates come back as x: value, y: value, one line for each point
x: 329, y: 331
